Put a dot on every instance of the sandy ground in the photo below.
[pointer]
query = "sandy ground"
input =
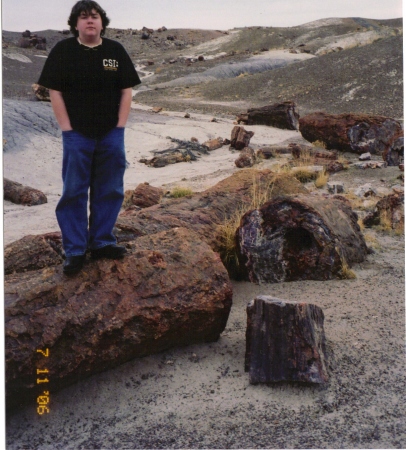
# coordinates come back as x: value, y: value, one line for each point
x: 199, y: 396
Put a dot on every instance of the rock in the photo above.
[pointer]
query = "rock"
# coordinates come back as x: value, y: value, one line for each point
x: 335, y: 187
x: 145, y: 36
x: 272, y: 150
x: 246, y: 159
x: 285, y: 342
x: 144, y: 196
x: 298, y: 150
x: 187, y: 116
x: 156, y: 109
x: 370, y: 165
x: 22, y: 195
x: 24, y: 43
x: 299, y: 238
x: 279, y: 115
x: 365, y: 190
x: 395, y: 154
x: 170, y: 290
x: 357, y: 133
x: 26, y: 34
x: 402, y: 167
x: 200, y: 58
x: 214, y: 144
x: 334, y: 167
x: 365, y: 157
x: 240, y: 138
x: 41, y: 92
x: 41, y: 46
x: 388, y: 212
x: 205, y: 211
x: 33, y: 253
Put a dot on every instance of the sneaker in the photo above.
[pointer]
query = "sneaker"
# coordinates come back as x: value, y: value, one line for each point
x: 73, y: 264
x: 109, y: 251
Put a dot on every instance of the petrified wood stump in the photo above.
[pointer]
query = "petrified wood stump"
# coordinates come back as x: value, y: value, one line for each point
x: 279, y: 115
x: 22, y: 195
x: 285, y: 342
x: 299, y: 238
x: 240, y: 138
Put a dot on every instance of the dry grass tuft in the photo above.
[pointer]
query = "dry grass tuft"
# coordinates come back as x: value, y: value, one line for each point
x: 178, y: 192
x: 305, y: 175
x: 321, y: 179
x: 346, y: 273
x: 320, y: 144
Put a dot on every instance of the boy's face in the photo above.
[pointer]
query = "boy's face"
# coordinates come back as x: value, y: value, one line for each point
x: 89, y: 25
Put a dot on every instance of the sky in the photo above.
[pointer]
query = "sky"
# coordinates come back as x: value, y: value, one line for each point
x: 19, y: 15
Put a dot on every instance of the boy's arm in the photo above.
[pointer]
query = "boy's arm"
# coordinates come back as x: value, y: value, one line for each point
x: 125, y: 106
x: 59, y: 107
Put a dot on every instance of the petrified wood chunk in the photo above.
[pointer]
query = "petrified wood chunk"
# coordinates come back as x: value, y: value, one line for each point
x: 41, y: 92
x: 246, y: 159
x: 22, y: 195
x: 170, y: 290
x: 395, y: 155
x: 299, y: 238
x: 279, y: 115
x: 240, y: 138
x: 285, y: 341
x: 389, y: 212
x: 144, y: 196
x: 299, y: 150
x: 357, y: 133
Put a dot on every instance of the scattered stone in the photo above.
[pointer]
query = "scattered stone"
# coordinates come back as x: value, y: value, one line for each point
x: 214, y: 120
x: 388, y: 212
x: 150, y: 63
x: 240, y: 138
x: 246, y: 158
x: 157, y: 109
x: 279, y: 115
x: 366, y: 190
x: 200, y: 58
x: 285, y: 342
x: 335, y: 187
x: 41, y: 92
x: 187, y: 116
x: 357, y: 133
x: 334, y: 167
x: 299, y: 238
x: 365, y: 157
x: 170, y: 290
x: 402, y: 167
x: 214, y: 144
x: 144, y: 196
x: 193, y: 139
x: 22, y: 195
x: 370, y: 165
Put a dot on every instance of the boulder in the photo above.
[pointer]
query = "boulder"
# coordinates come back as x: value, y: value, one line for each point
x: 357, y: 133
x: 144, y: 196
x: 388, y: 212
x: 22, y: 195
x: 33, y: 253
x: 170, y: 290
x: 301, y: 237
x: 285, y: 342
x: 279, y: 115
x: 240, y: 138
x: 395, y: 155
x: 41, y: 92
x: 247, y: 158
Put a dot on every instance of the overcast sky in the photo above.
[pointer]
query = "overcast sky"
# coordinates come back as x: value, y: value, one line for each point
x: 19, y: 15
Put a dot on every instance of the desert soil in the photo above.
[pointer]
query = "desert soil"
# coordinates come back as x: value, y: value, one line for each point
x: 199, y: 396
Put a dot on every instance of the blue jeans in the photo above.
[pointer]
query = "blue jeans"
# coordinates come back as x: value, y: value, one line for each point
x: 98, y: 165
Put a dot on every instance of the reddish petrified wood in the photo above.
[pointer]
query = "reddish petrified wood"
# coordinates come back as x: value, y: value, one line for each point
x: 279, y: 115
x: 299, y: 238
x: 285, y: 341
x: 246, y: 158
x: 170, y: 290
x: 22, y: 195
x: 144, y: 196
x: 357, y: 133
x: 240, y: 138
x: 390, y: 209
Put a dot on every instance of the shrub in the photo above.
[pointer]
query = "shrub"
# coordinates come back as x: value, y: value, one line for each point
x: 178, y: 192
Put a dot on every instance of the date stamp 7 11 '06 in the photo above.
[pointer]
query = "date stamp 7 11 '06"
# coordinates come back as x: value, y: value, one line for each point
x: 42, y: 378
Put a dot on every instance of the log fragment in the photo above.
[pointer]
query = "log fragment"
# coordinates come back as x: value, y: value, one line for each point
x: 240, y: 138
x: 247, y: 158
x: 285, y: 341
x: 279, y: 115
x: 299, y: 238
x: 22, y: 195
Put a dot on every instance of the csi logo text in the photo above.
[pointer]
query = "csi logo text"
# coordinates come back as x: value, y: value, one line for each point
x: 110, y: 63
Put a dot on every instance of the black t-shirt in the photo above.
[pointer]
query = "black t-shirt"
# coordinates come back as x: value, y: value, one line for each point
x: 90, y: 80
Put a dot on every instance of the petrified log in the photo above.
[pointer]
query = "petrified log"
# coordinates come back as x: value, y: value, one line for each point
x: 170, y: 290
x: 33, y: 253
x: 299, y: 150
x: 285, y: 341
x: 395, y: 155
x: 246, y: 159
x: 299, y: 238
x: 357, y: 133
x: 22, y: 195
x: 144, y: 196
x: 388, y: 212
x: 204, y: 212
x: 214, y: 144
x: 240, y: 138
x: 279, y: 115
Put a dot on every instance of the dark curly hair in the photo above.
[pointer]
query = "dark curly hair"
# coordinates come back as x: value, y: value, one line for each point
x: 86, y: 6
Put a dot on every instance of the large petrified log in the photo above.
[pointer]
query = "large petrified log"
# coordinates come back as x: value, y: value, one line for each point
x: 357, y: 133
x: 203, y: 212
x: 299, y: 238
x: 170, y: 290
x: 285, y: 341
x: 22, y: 195
x: 240, y: 138
x: 279, y: 115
